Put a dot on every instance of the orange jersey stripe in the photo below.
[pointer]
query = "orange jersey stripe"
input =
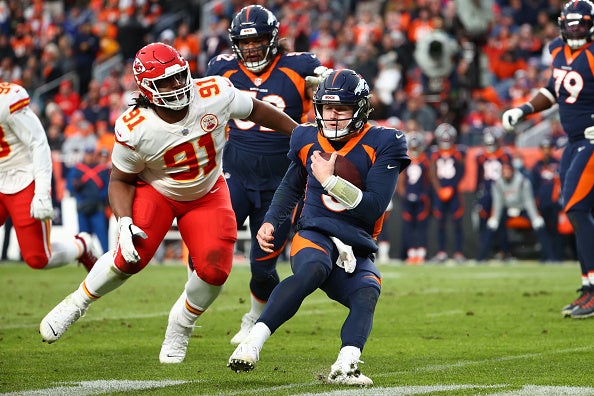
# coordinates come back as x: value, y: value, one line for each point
x: 19, y: 105
x: 300, y: 243
x: 584, y: 185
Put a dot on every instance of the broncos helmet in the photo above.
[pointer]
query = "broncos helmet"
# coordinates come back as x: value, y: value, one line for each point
x: 159, y: 61
x: 577, y: 23
x: 492, y: 137
x: 346, y: 88
x: 414, y: 143
x: 254, y: 21
x: 445, y: 134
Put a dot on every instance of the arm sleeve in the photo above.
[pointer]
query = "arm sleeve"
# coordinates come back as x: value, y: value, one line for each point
x: 241, y: 106
x: 31, y: 132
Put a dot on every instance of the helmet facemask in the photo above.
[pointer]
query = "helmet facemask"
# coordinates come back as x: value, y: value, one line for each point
x: 342, y: 88
x: 576, y: 23
x: 354, y: 125
x: 176, y: 99
x: 270, y: 50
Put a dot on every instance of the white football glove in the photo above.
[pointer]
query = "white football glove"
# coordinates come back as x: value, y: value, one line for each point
x: 538, y: 223
x: 41, y: 207
x: 321, y: 72
x: 128, y: 231
x: 589, y: 134
x: 492, y: 223
x: 511, y: 118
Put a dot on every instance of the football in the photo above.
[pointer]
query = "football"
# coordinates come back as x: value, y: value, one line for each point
x: 345, y: 169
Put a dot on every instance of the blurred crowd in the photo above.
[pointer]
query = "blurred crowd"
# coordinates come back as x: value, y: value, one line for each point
x: 427, y: 62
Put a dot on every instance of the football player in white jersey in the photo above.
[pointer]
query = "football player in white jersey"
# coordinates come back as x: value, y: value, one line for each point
x: 25, y: 186
x: 167, y: 164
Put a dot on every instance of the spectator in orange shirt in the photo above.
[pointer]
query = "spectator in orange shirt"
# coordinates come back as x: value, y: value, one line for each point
x: 67, y: 98
x: 188, y: 46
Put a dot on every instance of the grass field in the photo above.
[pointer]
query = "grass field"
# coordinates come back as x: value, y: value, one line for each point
x: 439, y: 330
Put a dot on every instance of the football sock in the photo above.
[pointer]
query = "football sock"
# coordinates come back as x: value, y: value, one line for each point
x: 258, y: 335
x: 201, y: 294
x: 64, y: 253
x: 102, y: 279
x: 257, y: 307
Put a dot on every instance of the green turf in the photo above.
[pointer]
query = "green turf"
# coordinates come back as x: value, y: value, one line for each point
x: 463, y: 330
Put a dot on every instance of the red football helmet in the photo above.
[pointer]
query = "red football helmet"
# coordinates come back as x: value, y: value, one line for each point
x: 159, y: 61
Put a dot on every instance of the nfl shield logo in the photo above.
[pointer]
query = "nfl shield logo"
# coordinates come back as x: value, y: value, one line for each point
x: 257, y: 81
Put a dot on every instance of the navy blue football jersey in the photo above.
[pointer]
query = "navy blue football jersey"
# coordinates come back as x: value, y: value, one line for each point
x: 572, y: 83
x: 282, y: 84
x: 379, y: 154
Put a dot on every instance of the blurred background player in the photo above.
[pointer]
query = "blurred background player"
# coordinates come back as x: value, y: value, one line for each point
x: 512, y: 197
x: 546, y: 185
x: 166, y: 165
x: 88, y: 181
x: 25, y: 186
x: 255, y: 156
x: 571, y: 86
x: 414, y: 191
x: 445, y: 173
x: 490, y: 161
x: 334, y: 245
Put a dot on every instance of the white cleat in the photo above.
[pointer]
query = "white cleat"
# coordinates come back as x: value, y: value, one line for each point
x: 59, y: 319
x: 247, y: 322
x: 244, y: 358
x: 175, y: 343
x: 345, y: 371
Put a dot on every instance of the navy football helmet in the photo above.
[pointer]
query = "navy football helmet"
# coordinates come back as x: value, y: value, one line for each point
x: 577, y: 23
x: 445, y: 134
x: 250, y: 22
x: 346, y: 88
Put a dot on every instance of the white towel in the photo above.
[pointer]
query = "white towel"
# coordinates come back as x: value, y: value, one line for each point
x: 346, y: 257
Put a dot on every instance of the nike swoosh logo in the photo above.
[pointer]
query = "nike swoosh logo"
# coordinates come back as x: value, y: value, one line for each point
x: 399, y: 135
x: 52, y: 329
x: 391, y: 166
x: 580, y: 148
x: 214, y: 191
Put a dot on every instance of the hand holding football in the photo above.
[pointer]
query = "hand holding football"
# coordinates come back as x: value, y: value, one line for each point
x: 345, y: 169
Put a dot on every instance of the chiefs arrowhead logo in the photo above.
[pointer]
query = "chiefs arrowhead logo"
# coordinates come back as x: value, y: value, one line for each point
x: 138, y: 67
x: 209, y: 122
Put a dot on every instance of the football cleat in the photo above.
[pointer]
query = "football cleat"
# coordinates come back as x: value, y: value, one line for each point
x: 440, y: 257
x: 59, y: 319
x: 345, y: 371
x: 88, y: 257
x: 585, y: 295
x: 175, y: 343
x: 177, y: 336
x: 244, y: 358
x: 247, y: 322
x: 585, y: 309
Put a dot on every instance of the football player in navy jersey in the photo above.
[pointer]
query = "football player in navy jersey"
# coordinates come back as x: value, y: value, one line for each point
x: 445, y: 173
x: 256, y: 157
x: 571, y: 86
x: 414, y: 190
x: 335, y: 240
x: 490, y: 161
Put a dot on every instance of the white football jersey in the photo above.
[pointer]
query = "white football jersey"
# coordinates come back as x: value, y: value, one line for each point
x: 182, y: 160
x: 24, y: 152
